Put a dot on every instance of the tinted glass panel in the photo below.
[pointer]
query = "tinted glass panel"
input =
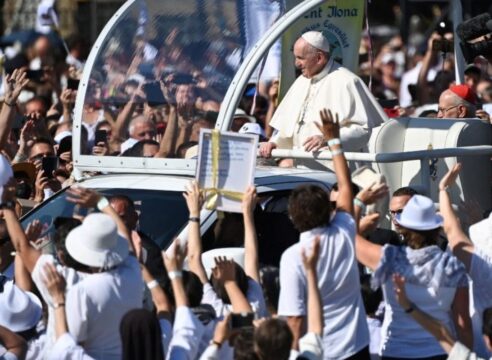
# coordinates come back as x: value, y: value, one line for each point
x: 161, y: 73
x: 161, y: 213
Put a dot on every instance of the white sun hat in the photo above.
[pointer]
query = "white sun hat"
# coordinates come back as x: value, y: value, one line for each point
x: 252, y: 128
x: 419, y: 214
x: 96, y: 242
x: 240, y: 113
x: 19, y: 310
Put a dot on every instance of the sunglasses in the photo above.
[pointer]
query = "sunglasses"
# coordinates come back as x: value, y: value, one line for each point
x: 395, y: 212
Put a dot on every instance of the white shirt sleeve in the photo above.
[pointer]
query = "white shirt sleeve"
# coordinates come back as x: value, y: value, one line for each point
x: 211, y: 353
x: 37, y: 276
x: 311, y: 346
x: 461, y: 352
x: 66, y: 348
x: 187, y: 332
x: 167, y: 333
x: 77, y: 310
x: 292, y: 299
x: 481, y: 275
x: 211, y: 298
x: 11, y: 356
x: 71, y: 276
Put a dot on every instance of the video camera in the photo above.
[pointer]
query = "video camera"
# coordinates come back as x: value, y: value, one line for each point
x: 442, y: 44
x: 476, y: 38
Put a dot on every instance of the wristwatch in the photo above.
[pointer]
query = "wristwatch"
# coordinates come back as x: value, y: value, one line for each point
x: 7, y: 205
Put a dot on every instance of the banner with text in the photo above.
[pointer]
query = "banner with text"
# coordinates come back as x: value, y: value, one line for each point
x: 340, y: 22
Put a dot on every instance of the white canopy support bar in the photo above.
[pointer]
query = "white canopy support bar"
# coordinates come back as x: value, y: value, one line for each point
x: 422, y: 155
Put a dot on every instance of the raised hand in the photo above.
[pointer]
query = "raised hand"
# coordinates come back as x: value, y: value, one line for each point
x: 83, y: 197
x: 14, y: 84
x: 368, y: 223
x: 310, y: 261
x: 100, y: 149
x: 372, y: 193
x: 224, y: 270
x: 450, y: 177
x: 175, y: 262
x: 330, y: 126
x: 67, y: 98
x: 194, y: 199
x: 400, y: 292
x: 33, y: 230
x: 55, y: 283
x: 249, y: 201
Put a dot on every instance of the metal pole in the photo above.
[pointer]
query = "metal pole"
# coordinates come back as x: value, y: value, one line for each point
x: 425, y: 175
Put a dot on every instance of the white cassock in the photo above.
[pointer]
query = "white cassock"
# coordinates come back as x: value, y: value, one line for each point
x: 334, y: 88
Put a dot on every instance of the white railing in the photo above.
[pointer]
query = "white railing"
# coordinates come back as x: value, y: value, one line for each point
x: 424, y: 156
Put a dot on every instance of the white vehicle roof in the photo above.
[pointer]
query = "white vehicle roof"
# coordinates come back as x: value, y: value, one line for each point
x: 266, y: 178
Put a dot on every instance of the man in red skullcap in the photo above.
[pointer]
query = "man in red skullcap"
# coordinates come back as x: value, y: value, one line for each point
x: 457, y: 102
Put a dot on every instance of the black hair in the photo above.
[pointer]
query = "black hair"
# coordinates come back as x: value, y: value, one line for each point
x: 193, y: 288
x: 405, y: 191
x: 371, y: 298
x: 309, y: 207
x: 63, y: 226
x: 243, y: 344
x: 241, y: 279
x: 487, y: 323
x: 137, y: 150
x: 181, y: 151
x: 270, y: 283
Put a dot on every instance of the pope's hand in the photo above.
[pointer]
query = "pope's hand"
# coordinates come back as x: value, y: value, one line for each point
x: 314, y: 143
x: 266, y: 149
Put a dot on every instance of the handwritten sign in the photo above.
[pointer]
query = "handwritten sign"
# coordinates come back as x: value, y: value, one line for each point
x: 226, y: 166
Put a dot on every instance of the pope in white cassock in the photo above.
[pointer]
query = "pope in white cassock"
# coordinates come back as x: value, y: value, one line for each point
x: 323, y: 84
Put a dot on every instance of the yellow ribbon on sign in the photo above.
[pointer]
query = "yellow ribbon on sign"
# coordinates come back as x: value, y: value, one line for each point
x: 212, y: 194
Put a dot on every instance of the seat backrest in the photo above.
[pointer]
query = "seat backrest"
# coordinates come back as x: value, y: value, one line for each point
x: 412, y: 134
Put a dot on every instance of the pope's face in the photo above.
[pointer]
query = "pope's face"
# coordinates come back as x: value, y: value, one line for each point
x: 307, y: 59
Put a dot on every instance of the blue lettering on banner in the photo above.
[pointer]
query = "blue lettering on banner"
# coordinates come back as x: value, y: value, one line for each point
x: 334, y: 11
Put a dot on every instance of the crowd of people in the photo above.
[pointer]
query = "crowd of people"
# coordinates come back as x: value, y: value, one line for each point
x: 345, y: 290
x: 95, y: 295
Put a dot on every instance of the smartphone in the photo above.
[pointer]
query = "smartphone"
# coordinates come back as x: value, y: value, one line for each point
x: 72, y: 84
x: 65, y: 145
x: 241, y: 320
x: 154, y: 95
x: 100, y: 136
x: 35, y: 75
x: 50, y: 164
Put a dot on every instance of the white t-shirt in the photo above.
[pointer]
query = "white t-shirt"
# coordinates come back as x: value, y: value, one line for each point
x: 432, y: 278
x: 71, y: 276
x: 374, y: 326
x: 96, y: 305
x: 345, y: 326
x: 6, y: 355
x: 481, y: 295
x: 461, y: 352
x: 254, y: 296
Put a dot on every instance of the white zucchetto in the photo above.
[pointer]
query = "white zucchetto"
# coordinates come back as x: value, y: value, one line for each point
x: 316, y: 39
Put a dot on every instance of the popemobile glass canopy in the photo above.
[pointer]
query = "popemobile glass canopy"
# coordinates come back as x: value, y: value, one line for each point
x: 162, y: 69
